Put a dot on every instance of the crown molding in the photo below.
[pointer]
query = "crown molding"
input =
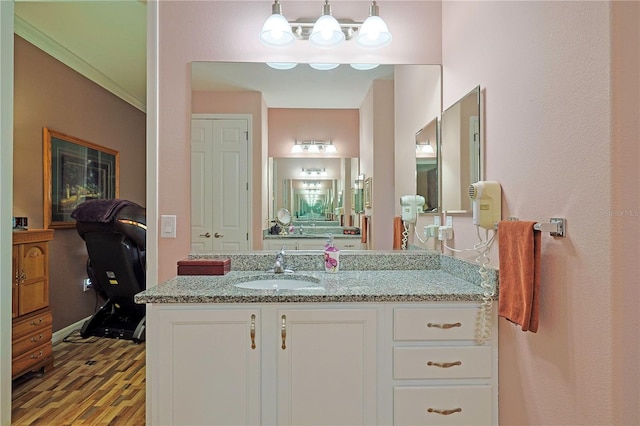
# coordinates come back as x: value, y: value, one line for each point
x: 70, y: 59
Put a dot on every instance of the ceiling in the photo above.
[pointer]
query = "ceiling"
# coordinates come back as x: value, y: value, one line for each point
x: 103, y: 40
x: 106, y: 42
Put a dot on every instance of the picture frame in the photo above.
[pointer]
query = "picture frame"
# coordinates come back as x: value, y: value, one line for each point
x: 367, y: 193
x: 75, y: 170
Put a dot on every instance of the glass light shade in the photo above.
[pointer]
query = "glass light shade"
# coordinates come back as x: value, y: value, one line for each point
x: 324, y: 67
x: 276, y: 31
x: 296, y: 149
x: 364, y: 67
x: 313, y: 149
x: 374, y: 33
x: 326, y: 32
x: 425, y: 149
x: 330, y: 149
x: 282, y: 65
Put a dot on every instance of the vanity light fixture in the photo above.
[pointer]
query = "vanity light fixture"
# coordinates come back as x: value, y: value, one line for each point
x: 313, y: 172
x: 313, y: 147
x: 282, y: 65
x: 276, y: 30
x: 424, y: 148
x: 326, y: 31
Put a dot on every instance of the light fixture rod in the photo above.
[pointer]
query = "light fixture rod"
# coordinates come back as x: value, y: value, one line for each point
x: 302, y: 27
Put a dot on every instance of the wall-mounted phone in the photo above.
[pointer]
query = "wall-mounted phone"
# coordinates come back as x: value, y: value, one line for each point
x: 486, y: 199
x: 411, y: 206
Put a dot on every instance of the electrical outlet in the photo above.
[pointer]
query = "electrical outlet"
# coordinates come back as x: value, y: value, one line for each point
x: 436, y: 220
x: 86, y: 284
x: 449, y: 221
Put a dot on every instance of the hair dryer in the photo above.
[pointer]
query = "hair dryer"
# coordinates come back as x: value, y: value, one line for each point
x: 487, y: 203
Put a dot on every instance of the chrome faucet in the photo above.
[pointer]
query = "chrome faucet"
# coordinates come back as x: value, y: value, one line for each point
x: 279, y: 266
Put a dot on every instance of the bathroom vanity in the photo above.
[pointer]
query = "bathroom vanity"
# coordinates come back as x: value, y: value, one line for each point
x: 390, y: 339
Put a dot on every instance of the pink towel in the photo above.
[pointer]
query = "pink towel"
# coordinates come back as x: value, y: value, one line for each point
x: 519, y: 278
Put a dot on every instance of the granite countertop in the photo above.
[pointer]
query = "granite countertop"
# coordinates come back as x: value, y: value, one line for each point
x: 364, y: 276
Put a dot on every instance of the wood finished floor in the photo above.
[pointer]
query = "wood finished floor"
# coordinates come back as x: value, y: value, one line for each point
x: 95, y: 381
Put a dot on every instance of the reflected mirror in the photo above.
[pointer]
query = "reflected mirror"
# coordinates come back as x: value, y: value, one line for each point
x: 460, y: 152
x: 427, y: 165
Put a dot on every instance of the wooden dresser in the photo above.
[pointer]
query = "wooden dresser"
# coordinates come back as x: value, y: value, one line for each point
x: 32, y: 318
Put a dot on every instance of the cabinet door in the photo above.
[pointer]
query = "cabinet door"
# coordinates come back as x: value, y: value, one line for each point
x: 208, y: 367
x: 33, y: 288
x: 327, y: 367
x: 15, y: 280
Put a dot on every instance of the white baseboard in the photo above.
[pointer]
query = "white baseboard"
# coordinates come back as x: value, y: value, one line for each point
x: 59, y: 335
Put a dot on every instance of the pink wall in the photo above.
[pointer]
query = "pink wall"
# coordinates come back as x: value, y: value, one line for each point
x: 337, y: 125
x: 545, y: 69
x: 227, y: 31
x: 50, y: 94
x: 535, y: 62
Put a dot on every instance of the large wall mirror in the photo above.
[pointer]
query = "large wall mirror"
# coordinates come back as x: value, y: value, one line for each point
x: 304, y: 87
x: 461, y: 156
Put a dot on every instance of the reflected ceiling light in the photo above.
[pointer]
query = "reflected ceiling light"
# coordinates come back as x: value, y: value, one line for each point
x: 313, y: 172
x: 374, y: 32
x: 424, y: 148
x: 364, y: 67
x: 313, y: 147
x: 282, y: 65
x: 324, y: 67
x: 326, y: 31
x: 276, y: 30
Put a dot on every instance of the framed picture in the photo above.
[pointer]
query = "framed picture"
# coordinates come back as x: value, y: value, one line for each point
x: 367, y: 193
x: 74, y: 171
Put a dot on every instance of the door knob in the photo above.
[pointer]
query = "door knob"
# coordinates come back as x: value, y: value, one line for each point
x: 218, y: 235
x: 207, y: 235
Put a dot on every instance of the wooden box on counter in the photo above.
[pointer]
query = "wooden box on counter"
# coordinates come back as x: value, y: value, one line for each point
x: 204, y: 266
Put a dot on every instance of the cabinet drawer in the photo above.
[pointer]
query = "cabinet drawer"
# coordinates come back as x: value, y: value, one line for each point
x: 32, y: 360
x: 29, y: 323
x: 434, y: 324
x: 30, y: 341
x: 451, y: 362
x: 442, y: 405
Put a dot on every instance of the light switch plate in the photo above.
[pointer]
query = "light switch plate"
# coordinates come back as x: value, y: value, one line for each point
x: 168, y: 226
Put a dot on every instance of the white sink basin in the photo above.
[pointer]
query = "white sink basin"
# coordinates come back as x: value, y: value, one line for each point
x: 277, y: 283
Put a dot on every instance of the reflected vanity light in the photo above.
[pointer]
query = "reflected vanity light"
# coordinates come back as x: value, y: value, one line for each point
x: 282, y: 65
x: 326, y: 31
x: 424, y: 148
x: 313, y: 147
x: 313, y: 172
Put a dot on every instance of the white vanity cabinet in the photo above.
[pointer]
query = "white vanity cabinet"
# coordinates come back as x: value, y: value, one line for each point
x: 311, y: 244
x: 368, y: 363
x: 440, y: 374
x: 204, y: 367
x: 250, y: 364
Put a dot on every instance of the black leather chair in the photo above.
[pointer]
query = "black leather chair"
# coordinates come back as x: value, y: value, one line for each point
x: 115, y: 235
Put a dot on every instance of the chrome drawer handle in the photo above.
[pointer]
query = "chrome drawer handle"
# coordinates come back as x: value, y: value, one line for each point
x: 444, y: 326
x: 444, y: 412
x: 283, y: 332
x: 253, y: 331
x: 444, y: 364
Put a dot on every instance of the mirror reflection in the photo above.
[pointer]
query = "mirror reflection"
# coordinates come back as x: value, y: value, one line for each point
x: 427, y: 165
x: 256, y: 91
x: 460, y: 151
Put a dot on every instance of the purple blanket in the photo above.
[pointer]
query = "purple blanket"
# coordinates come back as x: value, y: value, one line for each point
x: 99, y: 210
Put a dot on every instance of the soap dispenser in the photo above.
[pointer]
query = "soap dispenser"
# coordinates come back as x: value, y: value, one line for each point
x: 331, y: 257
